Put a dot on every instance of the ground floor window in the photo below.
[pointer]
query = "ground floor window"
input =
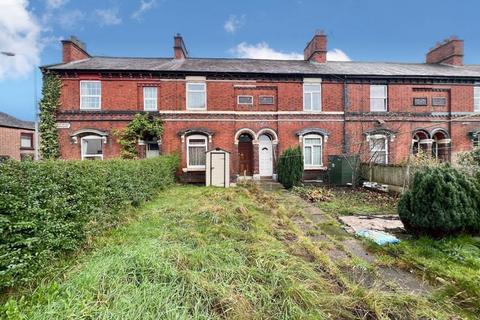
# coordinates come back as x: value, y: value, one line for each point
x: 196, y: 148
x: 312, y: 151
x: 476, y: 140
x: 92, y: 148
x: 378, y: 149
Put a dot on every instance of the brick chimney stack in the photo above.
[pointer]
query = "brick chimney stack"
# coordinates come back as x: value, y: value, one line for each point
x: 179, y: 49
x: 74, y: 49
x: 316, y: 49
x: 449, y: 51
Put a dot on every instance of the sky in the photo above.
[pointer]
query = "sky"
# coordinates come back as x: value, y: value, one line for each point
x: 358, y: 30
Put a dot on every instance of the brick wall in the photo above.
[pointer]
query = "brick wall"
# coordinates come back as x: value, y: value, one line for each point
x: 10, y: 142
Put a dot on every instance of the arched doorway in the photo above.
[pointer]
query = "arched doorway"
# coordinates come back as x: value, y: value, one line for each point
x: 245, y: 154
x: 265, y: 156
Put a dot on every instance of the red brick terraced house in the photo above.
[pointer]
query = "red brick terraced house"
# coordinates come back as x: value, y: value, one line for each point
x: 255, y: 109
x: 16, y: 138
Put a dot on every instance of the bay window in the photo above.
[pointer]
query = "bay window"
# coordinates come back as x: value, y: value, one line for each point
x: 312, y: 151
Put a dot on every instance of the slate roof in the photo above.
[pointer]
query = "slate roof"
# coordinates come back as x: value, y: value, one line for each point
x: 7, y: 120
x: 288, y: 67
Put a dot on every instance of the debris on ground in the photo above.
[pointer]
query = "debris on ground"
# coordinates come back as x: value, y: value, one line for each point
x: 384, y: 223
x: 379, y: 237
x: 375, y: 186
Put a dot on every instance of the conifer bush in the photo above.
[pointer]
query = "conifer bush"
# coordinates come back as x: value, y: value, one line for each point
x: 441, y: 201
x: 50, y: 208
x: 290, y: 167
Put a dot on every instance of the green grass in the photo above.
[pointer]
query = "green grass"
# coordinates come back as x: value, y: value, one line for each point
x: 358, y: 201
x: 454, y: 263
x: 207, y: 253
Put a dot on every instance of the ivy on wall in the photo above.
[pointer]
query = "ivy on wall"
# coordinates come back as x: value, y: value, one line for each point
x: 49, y: 146
x: 141, y: 127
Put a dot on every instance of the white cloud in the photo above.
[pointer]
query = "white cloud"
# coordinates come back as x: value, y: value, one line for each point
x: 337, y: 55
x: 263, y: 51
x: 70, y: 19
x: 145, y: 5
x: 233, y: 23
x: 19, y: 34
x: 108, y: 17
x: 56, y: 3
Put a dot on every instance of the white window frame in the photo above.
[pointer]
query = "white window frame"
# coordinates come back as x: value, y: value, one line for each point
x: 23, y: 137
x: 244, y: 96
x: 476, y: 141
x: 305, y: 145
x: 266, y: 96
x: 196, y: 136
x: 82, y: 147
x: 384, y: 98
x: 371, y: 144
x: 476, y: 98
x: 145, y: 99
x: 204, y: 91
x: 82, y: 107
x: 312, y: 82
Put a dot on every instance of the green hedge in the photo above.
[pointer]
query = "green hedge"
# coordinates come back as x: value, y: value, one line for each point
x: 290, y: 167
x: 441, y: 201
x: 50, y: 208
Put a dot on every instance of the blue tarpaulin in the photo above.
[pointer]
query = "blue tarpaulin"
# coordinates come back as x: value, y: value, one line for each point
x: 378, y: 237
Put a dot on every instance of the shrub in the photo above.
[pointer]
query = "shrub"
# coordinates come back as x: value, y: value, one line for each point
x: 441, y: 201
x: 50, y: 208
x: 290, y: 167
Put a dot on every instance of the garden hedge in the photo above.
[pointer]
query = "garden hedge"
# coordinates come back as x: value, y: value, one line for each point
x: 441, y: 201
x: 50, y: 208
x: 290, y: 167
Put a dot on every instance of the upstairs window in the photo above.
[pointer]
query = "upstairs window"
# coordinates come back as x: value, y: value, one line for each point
x: 245, y: 100
x: 476, y: 99
x: 312, y: 151
x: 378, y: 149
x: 196, y: 96
x: 150, y: 98
x: 312, y: 96
x: 196, y: 148
x: 439, y: 101
x: 378, y: 97
x: 26, y: 141
x: 92, y: 148
x: 90, y: 95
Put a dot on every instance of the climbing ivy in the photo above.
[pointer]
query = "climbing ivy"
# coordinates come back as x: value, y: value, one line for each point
x: 142, y: 126
x: 49, y: 147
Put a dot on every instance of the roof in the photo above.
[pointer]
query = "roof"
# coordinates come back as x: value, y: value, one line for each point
x: 7, y: 120
x: 288, y: 67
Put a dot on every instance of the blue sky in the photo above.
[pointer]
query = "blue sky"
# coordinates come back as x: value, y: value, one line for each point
x: 368, y: 30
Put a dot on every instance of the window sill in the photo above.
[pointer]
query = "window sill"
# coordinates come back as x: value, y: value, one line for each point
x: 203, y: 109
x: 27, y: 149
x: 314, y: 168
x: 87, y: 109
x: 193, y: 169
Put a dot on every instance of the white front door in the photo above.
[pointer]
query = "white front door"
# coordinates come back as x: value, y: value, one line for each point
x: 218, y: 167
x: 265, y: 156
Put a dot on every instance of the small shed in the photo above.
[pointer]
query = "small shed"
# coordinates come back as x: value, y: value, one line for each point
x: 218, y: 168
